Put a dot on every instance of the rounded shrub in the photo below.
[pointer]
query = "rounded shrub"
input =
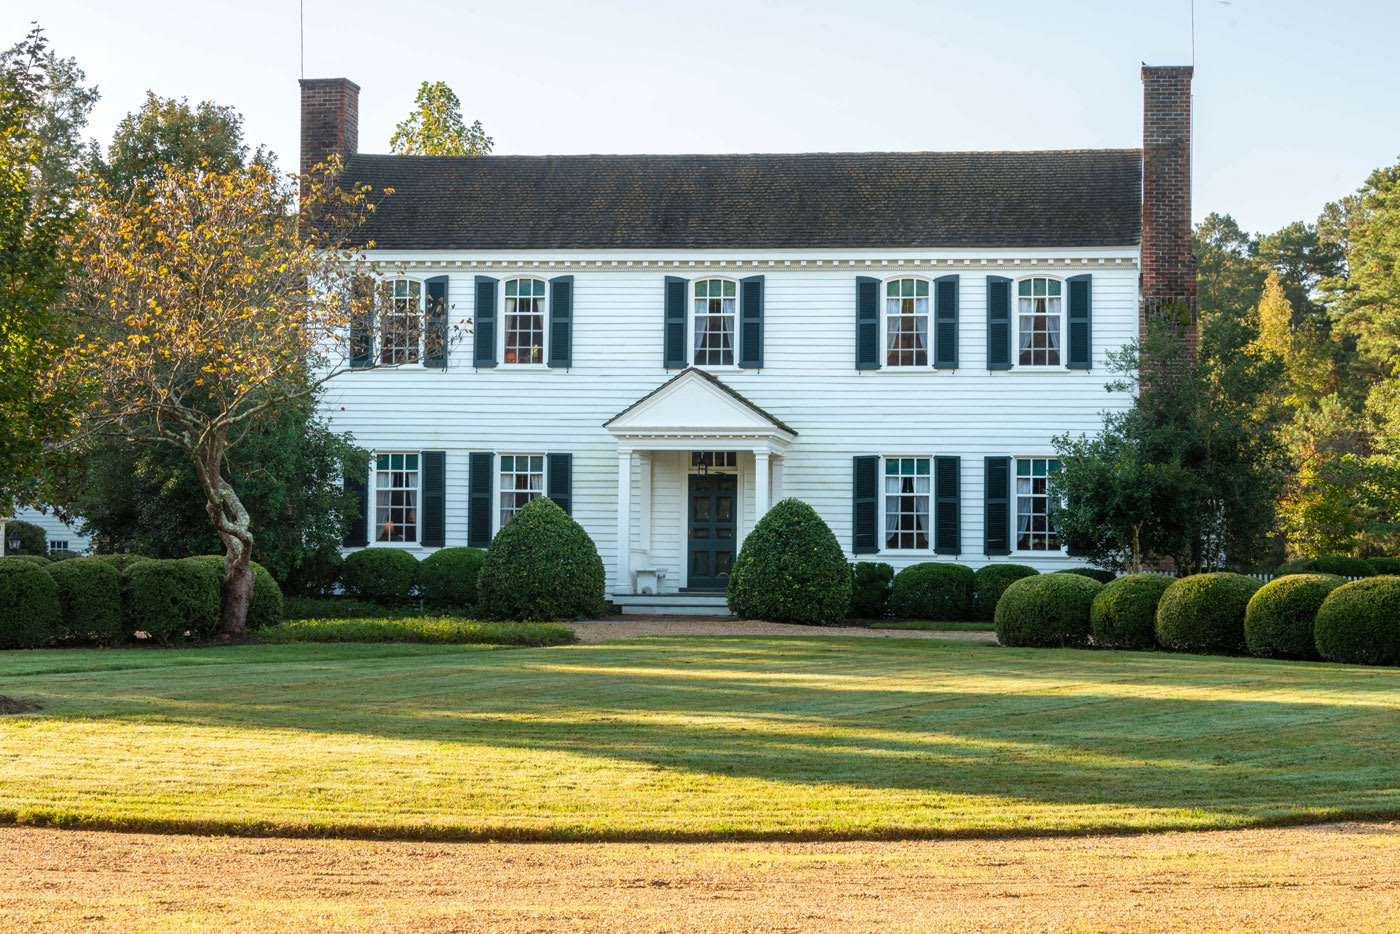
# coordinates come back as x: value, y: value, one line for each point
x: 90, y: 600
x: 1359, y: 623
x: 1205, y: 612
x: 265, y: 607
x: 1046, y: 610
x: 38, y: 561
x: 174, y: 599
x: 541, y: 567
x: 1124, y: 614
x: 1098, y: 574
x: 315, y: 575
x: 447, y: 577
x: 791, y: 569
x: 1278, y: 623
x: 941, y: 592
x: 990, y: 582
x: 870, y: 589
x: 30, y: 615
x: 1340, y: 565
x: 121, y: 562
x: 1388, y: 566
x: 380, y: 575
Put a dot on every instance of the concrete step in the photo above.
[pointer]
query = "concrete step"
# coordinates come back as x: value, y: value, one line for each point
x: 673, y: 604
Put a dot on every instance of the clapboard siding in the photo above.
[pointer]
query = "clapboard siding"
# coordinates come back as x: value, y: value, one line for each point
x: 809, y: 381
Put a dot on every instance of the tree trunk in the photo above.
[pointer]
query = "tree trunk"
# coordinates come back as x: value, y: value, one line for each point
x: 238, y: 592
x: 231, y: 521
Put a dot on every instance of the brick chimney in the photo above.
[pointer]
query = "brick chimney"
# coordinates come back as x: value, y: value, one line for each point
x: 330, y: 120
x: 1168, y: 266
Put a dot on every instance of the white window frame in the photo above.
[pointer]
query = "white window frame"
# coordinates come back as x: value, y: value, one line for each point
x: 542, y: 310
x: 374, y: 540
x: 380, y: 344
x: 57, y: 544
x: 884, y: 497
x: 885, y: 325
x: 692, y: 317
x: 1016, y: 460
x: 502, y: 490
x: 1060, y: 333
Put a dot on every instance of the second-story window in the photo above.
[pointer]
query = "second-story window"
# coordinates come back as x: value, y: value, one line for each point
x: 715, y: 309
x: 1038, y: 312
x: 524, y: 321
x: 401, y: 323
x: 906, y: 322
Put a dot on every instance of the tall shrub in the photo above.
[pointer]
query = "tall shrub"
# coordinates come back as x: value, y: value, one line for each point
x: 447, y: 577
x: 791, y: 569
x: 1205, y: 612
x: 386, y: 576
x: 173, y: 599
x: 541, y: 567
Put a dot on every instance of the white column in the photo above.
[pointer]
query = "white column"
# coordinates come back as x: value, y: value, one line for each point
x: 761, y: 499
x: 644, y: 507
x: 623, y: 582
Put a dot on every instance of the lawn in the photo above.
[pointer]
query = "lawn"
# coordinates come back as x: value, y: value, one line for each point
x: 690, y: 739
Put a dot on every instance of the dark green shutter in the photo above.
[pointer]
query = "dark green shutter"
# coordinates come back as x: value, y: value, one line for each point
x: 674, y: 325
x: 945, y: 322
x: 362, y: 323
x: 947, y: 506
x: 434, y: 466
x: 435, y: 327
x: 751, y: 322
x: 357, y: 520
x: 996, y: 518
x: 865, y: 538
x: 559, y: 481
x: 561, y: 321
x: 485, y: 322
x: 998, y: 323
x: 867, y: 323
x: 480, y: 464
x: 1081, y: 352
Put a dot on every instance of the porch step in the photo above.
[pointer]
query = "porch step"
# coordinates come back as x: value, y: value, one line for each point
x: 673, y: 604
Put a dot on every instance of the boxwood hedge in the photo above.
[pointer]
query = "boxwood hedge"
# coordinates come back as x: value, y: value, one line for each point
x: 1124, y: 614
x: 447, y: 577
x: 1388, y: 566
x: 1205, y: 612
x: 933, y: 590
x: 541, y: 567
x: 1278, y: 622
x: 990, y: 581
x: 1359, y: 622
x: 870, y: 589
x: 30, y: 614
x: 790, y: 570
x: 386, y: 576
x: 1340, y: 565
x: 1046, y: 610
x: 1098, y: 574
x: 170, y: 600
x: 90, y: 600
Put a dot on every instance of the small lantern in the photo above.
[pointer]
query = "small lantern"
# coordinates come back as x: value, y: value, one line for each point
x: 14, y: 541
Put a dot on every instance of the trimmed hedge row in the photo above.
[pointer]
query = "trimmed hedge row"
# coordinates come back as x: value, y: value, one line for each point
x: 940, y: 592
x: 1124, y: 614
x: 1340, y: 565
x: 1046, y: 610
x: 1278, y: 623
x: 1205, y: 612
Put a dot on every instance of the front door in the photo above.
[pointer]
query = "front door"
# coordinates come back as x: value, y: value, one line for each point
x: 711, y: 537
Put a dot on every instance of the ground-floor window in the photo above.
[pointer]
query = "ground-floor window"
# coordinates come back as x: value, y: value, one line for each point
x: 1034, y: 530
x: 396, y: 498
x: 522, y: 479
x: 906, y: 502
x: 58, y: 544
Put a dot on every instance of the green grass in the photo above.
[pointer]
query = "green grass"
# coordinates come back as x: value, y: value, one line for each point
x: 690, y: 738
x: 435, y: 630
x: 935, y: 625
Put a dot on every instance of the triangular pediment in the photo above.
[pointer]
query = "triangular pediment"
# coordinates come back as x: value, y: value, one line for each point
x: 695, y: 401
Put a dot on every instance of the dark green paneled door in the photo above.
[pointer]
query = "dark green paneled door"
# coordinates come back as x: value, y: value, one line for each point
x: 711, y: 536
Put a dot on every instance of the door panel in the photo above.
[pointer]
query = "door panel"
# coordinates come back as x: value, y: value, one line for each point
x: 712, y: 529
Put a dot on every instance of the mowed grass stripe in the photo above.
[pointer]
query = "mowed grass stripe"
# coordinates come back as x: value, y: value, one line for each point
x: 687, y: 738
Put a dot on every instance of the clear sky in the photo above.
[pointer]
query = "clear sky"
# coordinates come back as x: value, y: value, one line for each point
x: 1296, y: 100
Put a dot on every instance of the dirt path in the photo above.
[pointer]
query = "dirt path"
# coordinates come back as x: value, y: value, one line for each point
x: 610, y: 629
x: 1338, y: 878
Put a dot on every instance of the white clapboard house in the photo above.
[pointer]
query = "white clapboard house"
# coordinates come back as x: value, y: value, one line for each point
x: 666, y: 345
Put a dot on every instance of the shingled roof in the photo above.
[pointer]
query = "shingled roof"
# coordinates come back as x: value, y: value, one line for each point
x: 834, y: 200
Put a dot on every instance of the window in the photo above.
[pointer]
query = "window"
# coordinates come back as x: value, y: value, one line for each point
x: 715, y: 303
x: 1034, y: 530
x: 58, y: 544
x: 525, y: 321
x: 906, y: 322
x: 396, y: 498
x: 522, y: 479
x: 1038, y: 310
x: 401, y: 323
x: 714, y: 460
x: 906, y: 502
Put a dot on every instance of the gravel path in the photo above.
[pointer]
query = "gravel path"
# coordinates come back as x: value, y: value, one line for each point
x: 606, y: 630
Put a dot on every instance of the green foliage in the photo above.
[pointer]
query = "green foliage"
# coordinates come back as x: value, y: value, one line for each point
x: 1339, y: 565
x: 36, y: 560
x: 1359, y: 623
x: 123, y: 561
x: 316, y: 574
x: 436, y: 630
x: 173, y: 599
x: 791, y: 569
x: 1389, y: 566
x: 32, y: 540
x: 436, y: 128
x: 1124, y: 614
x: 1046, y: 610
x: 933, y: 590
x: 30, y: 614
x: 541, y: 566
x: 385, y: 576
x: 1098, y: 574
x: 265, y: 609
x: 341, y: 608
x: 447, y: 577
x: 870, y: 589
x: 169, y: 133
x: 90, y: 599
x: 1205, y: 612
x: 1278, y: 622
x: 990, y: 582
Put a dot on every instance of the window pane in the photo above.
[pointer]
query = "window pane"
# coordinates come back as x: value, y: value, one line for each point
x: 396, y: 498
x: 522, y: 479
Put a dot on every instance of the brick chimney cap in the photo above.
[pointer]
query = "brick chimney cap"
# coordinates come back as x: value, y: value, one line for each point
x: 314, y: 82
x: 1181, y: 71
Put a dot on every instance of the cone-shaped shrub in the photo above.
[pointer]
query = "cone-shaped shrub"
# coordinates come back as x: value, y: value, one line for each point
x: 447, y: 577
x: 990, y: 582
x: 90, y: 599
x: 870, y: 589
x: 29, y: 609
x: 1278, y: 623
x: 935, y: 591
x: 1124, y: 614
x: 1205, y: 612
x: 385, y: 576
x: 1046, y: 610
x: 1359, y: 623
x: 791, y: 569
x: 541, y: 567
